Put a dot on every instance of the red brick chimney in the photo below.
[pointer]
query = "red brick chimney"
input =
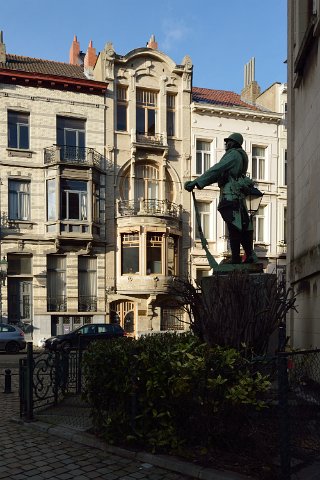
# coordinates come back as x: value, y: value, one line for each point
x: 152, y: 43
x: 74, y: 55
x: 90, y: 56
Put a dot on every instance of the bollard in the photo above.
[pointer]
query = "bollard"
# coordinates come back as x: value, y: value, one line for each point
x: 7, y: 381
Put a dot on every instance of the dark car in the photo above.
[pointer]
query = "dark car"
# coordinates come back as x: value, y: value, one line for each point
x: 82, y: 336
x: 11, y: 338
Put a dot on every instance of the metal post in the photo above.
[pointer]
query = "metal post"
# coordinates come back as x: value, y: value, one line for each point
x: 7, y: 381
x: 29, y: 383
x: 79, y: 366
x: 284, y: 433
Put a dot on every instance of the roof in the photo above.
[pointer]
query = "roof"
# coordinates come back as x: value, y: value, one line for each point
x: 48, y: 73
x: 45, y: 67
x: 223, y: 98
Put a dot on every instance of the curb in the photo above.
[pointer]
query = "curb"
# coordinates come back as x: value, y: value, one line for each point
x: 163, y: 461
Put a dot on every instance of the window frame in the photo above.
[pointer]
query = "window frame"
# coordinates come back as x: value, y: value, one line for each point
x: 21, y: 196
x: 122, y: 103
x: 171, y: 114
x: 18, y: 126
x: 205, y: 164
x: 259, y: 158
x: 202, y: 215
x: 147, y: 103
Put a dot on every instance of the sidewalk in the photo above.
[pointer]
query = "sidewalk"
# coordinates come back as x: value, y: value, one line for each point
x: 31, y: 451
x: 70, y: 420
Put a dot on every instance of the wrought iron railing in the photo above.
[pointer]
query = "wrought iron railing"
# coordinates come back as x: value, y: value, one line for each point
x: 87, y: 303
x: 150, y: 139
x: 127, y: 208
x: 57, y: 304
x: 75, y: 155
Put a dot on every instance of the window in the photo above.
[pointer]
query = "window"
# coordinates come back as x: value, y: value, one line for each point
x: 204, y: 213
x: 285, y: 225
x: 259, y: 225
x: 285, y: 168
x: 71, y: 138
x: 122, y: 312
x: 122, y: 107
x: 20, y: 288
x: 154, y: 253
x: 87, y: 284
x: 173, y: 263
x: 201, y: 272
x: 19, y: 200
x: 73, y: 199
x: 146, y: 114
x: 171, y: 105
x: 18, y: 130
x: 147, y: 184
x: 203, y: 160
x: 172, y: 319
x: 51, y: 200
x: 56, y: 283
x: 130, y: 253
x: 259, y: 163
x: 96, y: 203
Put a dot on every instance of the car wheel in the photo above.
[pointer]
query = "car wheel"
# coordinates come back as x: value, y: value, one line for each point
x: 12, y: 347
x: 66, y: 347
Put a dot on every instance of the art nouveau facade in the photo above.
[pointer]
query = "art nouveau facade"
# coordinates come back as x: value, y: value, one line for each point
x: 215, y: 115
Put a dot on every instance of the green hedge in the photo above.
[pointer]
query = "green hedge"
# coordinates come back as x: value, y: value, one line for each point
x: 165, y: 390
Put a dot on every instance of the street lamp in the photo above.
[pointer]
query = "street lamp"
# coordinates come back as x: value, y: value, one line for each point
x: 253, y: 200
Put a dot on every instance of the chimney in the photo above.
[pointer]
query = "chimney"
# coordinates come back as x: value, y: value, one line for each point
x: 2, y: 49
x: 152, y: 43
x: 90, y: 57
x: 74, y: 55
x: 251, y: 89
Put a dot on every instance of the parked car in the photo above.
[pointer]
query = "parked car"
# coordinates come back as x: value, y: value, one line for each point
x: 83, y: 336
x: 11, y: 338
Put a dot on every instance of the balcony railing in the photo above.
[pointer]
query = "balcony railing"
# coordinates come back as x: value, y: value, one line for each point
x: 57, y: 304
x: 146, y: 138
x: 75, y: 155
x: 128, y: 208
x: 87, y: 303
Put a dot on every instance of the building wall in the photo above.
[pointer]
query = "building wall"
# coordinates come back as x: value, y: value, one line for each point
x: 31, y: 237
x: 303, y: 158
x: 258, y: 129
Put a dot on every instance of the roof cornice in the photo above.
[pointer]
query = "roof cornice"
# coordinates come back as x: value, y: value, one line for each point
x: 236, y: 112
x: 52, y: 81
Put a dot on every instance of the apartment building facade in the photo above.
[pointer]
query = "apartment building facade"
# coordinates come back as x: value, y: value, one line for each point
x: 92, y: 162
x: 303, y: 178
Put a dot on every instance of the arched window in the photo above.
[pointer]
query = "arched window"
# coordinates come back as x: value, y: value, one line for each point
x: 147, y: 183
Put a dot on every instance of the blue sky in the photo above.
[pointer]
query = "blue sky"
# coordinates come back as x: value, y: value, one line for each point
x: 220, y: 36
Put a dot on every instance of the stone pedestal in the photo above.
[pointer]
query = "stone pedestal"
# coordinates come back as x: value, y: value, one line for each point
x: 239, y: 309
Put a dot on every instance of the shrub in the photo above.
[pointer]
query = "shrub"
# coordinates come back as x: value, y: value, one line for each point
x: 165, y: 390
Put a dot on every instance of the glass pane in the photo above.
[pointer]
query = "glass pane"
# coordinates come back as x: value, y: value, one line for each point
x: 151, y: 122
x: 170, y: 123
x: 23, y: 136
x: 130, y: 259
x: 206, y: 161
x: 260, y: 229
x: 261, y: 168
x: 140, y: 121
x: 51, y: 199
x: 73, y: 207
x: 254, y: 168
x: 199, y: 163
x: 206, y: 225
x: 19, y: 264
x: 70, y: 138
x: 12, y: 136
x: 121, y: 117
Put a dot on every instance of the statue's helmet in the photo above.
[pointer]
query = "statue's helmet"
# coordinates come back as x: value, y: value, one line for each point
x: 236, y: 137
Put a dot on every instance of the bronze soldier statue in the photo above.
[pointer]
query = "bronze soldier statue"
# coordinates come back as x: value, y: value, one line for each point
x: 230, y: 174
